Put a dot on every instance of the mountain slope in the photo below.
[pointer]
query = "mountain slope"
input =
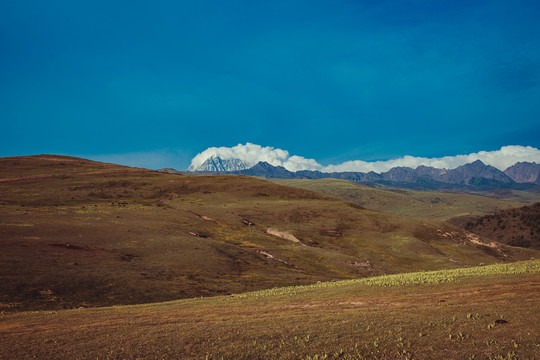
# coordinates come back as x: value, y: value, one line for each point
x: 264, y: 169
x: 474, y: 173
x: 524, y: 172
x: 516, y: 227
x: 81, y: 233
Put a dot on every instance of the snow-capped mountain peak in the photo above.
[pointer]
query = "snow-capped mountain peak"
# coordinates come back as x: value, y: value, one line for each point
x: 217, y: 164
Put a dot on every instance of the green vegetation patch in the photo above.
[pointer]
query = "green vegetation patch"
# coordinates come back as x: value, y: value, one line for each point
x: 416, y: 278
x: 435, y: 277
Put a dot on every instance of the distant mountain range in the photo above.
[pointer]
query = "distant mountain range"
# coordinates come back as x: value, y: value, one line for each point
x: 473, y: 175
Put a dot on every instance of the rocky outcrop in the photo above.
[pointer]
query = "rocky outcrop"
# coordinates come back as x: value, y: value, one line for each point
x: 284, y: 235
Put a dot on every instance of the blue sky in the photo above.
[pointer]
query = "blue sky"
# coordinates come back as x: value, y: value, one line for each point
x: 155, y: 83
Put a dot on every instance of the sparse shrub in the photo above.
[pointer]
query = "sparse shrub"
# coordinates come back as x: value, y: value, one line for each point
x: 520, y: 241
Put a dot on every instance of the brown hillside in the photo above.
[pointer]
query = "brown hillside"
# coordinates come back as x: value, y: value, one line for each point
x: 81, y: 233
x: 516, y: 227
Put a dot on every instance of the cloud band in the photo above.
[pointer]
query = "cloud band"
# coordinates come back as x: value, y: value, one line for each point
x: 251, y: 154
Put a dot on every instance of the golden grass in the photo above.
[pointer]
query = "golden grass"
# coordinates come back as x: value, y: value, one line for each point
x: 481, y: 313
x: 415, y: 278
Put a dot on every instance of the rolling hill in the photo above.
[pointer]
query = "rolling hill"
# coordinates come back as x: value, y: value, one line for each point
x: 78, y: 233
x: 419, y: 204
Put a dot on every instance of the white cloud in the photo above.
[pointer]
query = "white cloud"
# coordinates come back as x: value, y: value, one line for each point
x: 252, y: 154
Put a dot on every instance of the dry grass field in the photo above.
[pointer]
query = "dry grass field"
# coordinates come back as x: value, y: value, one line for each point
x: 80, y: 233
x: 100, y: 261
x: 476, y: 313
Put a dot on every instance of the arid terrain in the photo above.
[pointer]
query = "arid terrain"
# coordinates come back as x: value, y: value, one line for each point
x: 485, y: 313
x: 82, y: 240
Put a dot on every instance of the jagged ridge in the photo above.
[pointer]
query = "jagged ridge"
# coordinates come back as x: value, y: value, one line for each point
x: 476, y: 174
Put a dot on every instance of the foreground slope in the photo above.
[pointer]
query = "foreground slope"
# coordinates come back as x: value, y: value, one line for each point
x: 420, y: 204
x: 476, y: 313
x: 80, y: 233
